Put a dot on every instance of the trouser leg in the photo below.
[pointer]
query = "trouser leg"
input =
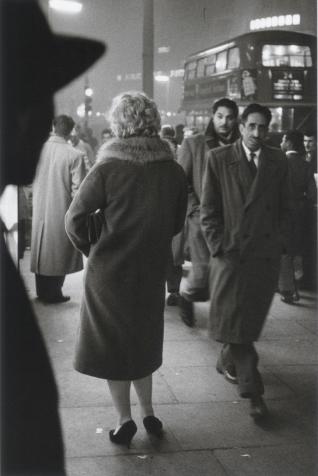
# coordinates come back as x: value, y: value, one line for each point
x: 249, y: 380
x: 174, y: 275
x: 196, y: 285
x: 48, y: 287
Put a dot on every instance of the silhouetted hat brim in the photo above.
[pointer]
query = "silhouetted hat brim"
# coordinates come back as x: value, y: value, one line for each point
x: 70, y: 57
x: 36, y: 61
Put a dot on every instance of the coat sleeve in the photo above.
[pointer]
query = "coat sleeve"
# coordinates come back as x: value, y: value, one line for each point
x: 89, y: 198
x: 212, y: 222
x: 182, y: 204
x: 78, y: 172
x: 285, y: 231
x: 185, y: 159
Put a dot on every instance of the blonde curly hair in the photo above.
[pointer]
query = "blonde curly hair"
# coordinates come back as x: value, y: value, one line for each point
x: 134, y: 113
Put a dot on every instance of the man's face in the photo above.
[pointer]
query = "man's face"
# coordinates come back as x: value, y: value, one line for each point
x: 254, y: 130
x: 106, y: 137
x: 310, y: 143
x: 74, y: 137
x: 223, y: 120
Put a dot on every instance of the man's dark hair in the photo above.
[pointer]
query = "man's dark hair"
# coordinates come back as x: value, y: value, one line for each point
x: 167, y: 131
x: 310, y: 133
x: 253, y: 108
x: 63, y: 125
x: 296, y: 139
x: 107, y: 130
x: 225, y: 102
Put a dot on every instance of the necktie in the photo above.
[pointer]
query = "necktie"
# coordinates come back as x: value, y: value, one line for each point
x: 252, y: 165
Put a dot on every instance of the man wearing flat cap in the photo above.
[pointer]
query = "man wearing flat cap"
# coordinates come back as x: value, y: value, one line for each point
x: 35, y: 64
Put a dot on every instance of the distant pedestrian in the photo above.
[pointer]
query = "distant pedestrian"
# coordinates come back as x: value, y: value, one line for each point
x: 142, y: 193
x: 60, y: 172
x: 310, y: 144
x: 106, y: 136
x: 302, y: 189
x: 222, y: 129
x: 309, y: 281
x: 244, y: 216
x: 83, y: 147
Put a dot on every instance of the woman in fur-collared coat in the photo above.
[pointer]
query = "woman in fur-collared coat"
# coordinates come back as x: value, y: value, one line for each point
x: 142, y: 192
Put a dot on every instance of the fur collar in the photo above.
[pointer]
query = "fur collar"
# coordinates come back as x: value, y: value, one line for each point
x: 135, y: 149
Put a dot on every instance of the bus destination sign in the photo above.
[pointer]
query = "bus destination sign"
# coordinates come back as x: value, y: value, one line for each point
x: 288, y: 85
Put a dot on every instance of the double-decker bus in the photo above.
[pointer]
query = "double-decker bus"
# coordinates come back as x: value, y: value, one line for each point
x: 275, y: 68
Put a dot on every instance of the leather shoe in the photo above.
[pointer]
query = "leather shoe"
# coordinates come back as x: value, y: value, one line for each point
x: 287, y: 297
x: 258, y: 409
x: 186, y: 311
x: 228, y: 371
x: 172, y: 299
x: 56, y: 299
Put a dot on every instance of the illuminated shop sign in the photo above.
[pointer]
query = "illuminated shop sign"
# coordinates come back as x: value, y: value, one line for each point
x: 288, y: 85
x: 275, y: 21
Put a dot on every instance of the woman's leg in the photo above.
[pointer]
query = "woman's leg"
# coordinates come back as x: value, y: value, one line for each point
x: 143, y: 389
x: 120, y: 392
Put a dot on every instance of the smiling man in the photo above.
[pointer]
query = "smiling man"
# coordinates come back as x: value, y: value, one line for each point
x: 244, y: 217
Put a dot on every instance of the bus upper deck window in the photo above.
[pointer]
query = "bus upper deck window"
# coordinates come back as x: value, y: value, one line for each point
x: 191, y: 70
x: 210, y: 67
x: 286, y: 55
x: 221, y: 61
x: 200, y: 67
x: 234, y: 58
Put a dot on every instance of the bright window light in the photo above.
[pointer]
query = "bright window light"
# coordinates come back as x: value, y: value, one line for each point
x: 162, y: 78
x: 66, y: 6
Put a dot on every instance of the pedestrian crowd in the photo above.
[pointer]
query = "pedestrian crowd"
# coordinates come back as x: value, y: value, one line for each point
x: 149, y: 198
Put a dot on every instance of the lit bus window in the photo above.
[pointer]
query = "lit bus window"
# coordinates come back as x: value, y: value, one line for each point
x: 234, y: 58
x: 295, y: 56
x: 210, y: 67
x: 191, y: 70
x: 221, y: 61
x: 200, y: 67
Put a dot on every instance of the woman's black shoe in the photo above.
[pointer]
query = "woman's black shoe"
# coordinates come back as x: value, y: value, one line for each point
x: 124, y: 435
x: 153, y: 425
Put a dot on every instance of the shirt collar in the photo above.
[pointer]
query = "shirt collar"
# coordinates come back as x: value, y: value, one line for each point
x: 248, y: 152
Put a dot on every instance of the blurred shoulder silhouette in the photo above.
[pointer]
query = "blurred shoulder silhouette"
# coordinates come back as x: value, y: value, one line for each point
x: 35, y: 64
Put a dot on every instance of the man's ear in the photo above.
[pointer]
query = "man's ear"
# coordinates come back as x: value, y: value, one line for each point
x: 241, y: 127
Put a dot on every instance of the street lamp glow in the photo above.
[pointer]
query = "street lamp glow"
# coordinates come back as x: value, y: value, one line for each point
x: 89, y: 92
x: 66, y: 6
x: 162, y: 78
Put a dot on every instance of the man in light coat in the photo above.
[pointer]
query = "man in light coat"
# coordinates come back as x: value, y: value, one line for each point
x: 222, y: 129
x: 60, y: 172
x: 244, y: 217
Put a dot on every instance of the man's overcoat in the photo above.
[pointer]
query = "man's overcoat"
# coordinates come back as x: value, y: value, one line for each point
x: 143, y: 194
x: 245, y: 222
x: 60, y: 171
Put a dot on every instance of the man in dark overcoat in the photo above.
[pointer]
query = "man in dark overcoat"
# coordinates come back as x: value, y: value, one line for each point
x: 244, y: 217
x: 222, y: 129
x: 302, y: 188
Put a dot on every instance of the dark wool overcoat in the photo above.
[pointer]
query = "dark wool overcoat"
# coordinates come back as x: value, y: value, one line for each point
x: 59, y: 174
x: 143, y: 194
x: 246, y: 223
x: 303, y: 192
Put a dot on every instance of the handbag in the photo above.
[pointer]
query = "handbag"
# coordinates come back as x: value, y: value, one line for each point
x: 95, y: 222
